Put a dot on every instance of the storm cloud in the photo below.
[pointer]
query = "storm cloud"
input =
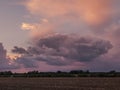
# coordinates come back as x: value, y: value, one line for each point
x: 65, y: 49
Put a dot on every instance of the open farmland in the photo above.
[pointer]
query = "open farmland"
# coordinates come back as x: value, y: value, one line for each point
x: 60, y: 83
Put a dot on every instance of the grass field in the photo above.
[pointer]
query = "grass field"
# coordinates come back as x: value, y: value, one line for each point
x: 59, y: 83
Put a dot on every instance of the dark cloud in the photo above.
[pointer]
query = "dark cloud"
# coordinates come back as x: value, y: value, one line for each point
x: 63, y: 49
x: 26, y: 62
x: 19, y: 50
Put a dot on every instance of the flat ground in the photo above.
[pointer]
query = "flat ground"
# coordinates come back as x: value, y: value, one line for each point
x: 59, y: 83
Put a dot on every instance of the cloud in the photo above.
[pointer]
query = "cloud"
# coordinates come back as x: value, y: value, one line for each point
x: 76, y: 16
x: 2, y: 52
x: 19, y: 50
x: 64, y: 49
x: 26, y: 26
x: 26, y: 62
x: 92, y: 11
x: 71, y: 16
x: 97, y: 18
x: 62, y: 15
x: 5, y: 63
x: 38, y: 29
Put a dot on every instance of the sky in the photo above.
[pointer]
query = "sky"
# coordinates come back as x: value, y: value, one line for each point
x: 52, y: 35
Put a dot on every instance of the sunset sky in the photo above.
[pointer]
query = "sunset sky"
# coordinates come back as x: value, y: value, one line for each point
x: 51, y: 35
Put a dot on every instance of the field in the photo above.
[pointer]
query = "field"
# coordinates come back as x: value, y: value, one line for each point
x: 60, y: 83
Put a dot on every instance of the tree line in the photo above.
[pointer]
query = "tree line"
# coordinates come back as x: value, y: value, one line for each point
x: 73, y: 73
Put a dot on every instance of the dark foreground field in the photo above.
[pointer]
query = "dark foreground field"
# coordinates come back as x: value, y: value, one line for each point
x: 59, y: 83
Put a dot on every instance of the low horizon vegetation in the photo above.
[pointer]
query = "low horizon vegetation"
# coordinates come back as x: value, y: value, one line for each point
x: 72, y: 73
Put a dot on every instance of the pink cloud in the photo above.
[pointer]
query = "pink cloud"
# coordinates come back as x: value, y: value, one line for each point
x: 92, y: 11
